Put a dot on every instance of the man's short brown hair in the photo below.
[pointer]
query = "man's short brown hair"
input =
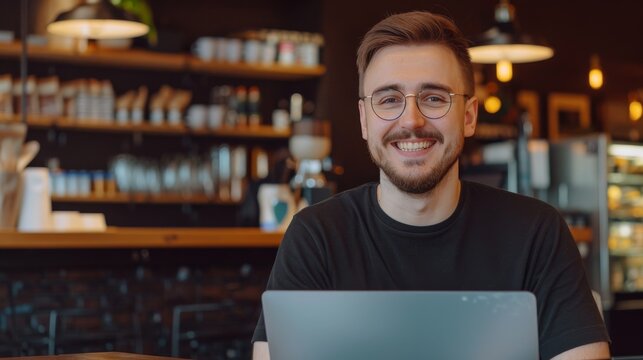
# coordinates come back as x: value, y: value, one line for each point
x: 416, y: 27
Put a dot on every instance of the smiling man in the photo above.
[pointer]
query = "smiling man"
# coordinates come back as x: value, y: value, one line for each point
x: 422, y: 228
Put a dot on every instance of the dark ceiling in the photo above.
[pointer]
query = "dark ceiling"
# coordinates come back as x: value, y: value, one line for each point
x: 576, y: 29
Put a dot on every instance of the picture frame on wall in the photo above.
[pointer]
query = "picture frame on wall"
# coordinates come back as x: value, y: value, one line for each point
x: 568, y: 114
x: 529, y: 101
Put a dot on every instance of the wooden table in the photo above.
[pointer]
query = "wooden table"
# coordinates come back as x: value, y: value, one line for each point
x: 94, y: 356
x: 146, y: 238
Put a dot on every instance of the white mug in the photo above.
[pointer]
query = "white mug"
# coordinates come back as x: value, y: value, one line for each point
x: 197, y: 116
x: 268, y: 52
x: 215, y: 116
x: 234, y: 49
x: 252, y: 51
x: 221, y: 44
x: 308, y: 54
x: 280, y: 119
x: 205, y: 48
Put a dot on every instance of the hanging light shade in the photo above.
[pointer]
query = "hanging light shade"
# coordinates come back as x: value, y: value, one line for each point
x: 97, y: 19
x: 503, y: 44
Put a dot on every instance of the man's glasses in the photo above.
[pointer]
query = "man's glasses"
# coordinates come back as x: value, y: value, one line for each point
x: 389, y: 104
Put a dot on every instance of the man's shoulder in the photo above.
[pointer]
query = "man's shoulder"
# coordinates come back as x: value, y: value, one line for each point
x: 342, y: 204
x: 492, y: 197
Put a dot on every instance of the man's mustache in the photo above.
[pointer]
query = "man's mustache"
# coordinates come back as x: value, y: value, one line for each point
x: 405, y: 134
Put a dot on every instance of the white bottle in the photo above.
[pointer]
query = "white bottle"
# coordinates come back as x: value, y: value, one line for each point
x: 35, y: 210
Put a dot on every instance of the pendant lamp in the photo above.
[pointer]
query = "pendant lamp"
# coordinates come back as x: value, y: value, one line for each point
x: 97, y: 19
x: 503, y: 44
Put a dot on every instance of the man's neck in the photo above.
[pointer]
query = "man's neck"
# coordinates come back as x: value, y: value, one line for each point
x: 420, y: 209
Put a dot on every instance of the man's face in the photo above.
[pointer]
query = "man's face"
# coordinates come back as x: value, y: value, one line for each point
x: 413, y: 151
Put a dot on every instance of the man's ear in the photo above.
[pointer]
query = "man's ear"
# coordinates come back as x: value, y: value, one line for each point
x: 362, y: 118
x: 470, y: 117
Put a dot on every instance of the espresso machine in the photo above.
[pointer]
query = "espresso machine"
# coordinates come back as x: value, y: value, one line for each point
x: 309, y: 145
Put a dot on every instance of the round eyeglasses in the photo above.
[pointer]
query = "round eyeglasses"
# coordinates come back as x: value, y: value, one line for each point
x: 389, y: 104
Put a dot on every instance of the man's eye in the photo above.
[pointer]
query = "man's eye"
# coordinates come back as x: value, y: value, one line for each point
x: 433, y: 99
x: 389, y: 100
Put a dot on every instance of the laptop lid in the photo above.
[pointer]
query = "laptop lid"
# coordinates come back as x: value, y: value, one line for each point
x: 352, y: 325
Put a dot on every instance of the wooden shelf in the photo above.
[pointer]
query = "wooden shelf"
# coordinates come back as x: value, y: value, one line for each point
x: 278, y: 72
x: 32, y: 120
x: 115, y: 237
x: 142, y: 59
x: 142, y: 199
x: 261, y: 131
x: 98, y: 126
x: 255, y: 132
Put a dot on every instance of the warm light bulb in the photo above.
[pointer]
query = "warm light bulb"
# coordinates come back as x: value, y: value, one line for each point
x: 504, y: 70
x: 595, y: 78
x: 492, y: 104
x: 636, y: 110
x: 595, y: 73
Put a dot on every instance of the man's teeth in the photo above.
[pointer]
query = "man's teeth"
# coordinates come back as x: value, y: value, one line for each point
x: 412, y: 146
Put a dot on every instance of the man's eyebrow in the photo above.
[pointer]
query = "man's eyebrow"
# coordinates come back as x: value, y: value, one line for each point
x: 435, y: 86
x: 397, y: 87
x: 423, y: 86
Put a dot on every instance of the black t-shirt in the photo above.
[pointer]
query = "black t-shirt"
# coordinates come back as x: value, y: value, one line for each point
x: 494, y: 240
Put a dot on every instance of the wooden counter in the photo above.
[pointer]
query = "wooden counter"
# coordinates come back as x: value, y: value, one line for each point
x: 116, y: 237
x: 93, y: 356
x: 137, y: 238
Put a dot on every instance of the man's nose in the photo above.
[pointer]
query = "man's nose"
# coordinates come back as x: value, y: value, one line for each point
x: 411, y: 117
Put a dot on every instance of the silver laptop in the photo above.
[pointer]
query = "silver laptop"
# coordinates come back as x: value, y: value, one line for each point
x: 355, y: 325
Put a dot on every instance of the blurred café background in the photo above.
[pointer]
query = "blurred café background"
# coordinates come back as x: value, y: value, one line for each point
x: 146, y: 177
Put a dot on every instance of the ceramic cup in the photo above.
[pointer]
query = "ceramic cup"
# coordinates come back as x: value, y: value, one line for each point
x: 215, y: 116
x: 252, y: 51
x: 197, y: 116
x: 234, y: 48
x: 205, y: 48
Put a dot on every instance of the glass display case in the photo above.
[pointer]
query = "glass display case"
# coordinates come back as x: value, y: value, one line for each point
x: 602, y: 179
x: 625, y: 209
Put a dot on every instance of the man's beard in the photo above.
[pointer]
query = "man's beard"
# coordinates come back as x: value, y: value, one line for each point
x: 419, y: 183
